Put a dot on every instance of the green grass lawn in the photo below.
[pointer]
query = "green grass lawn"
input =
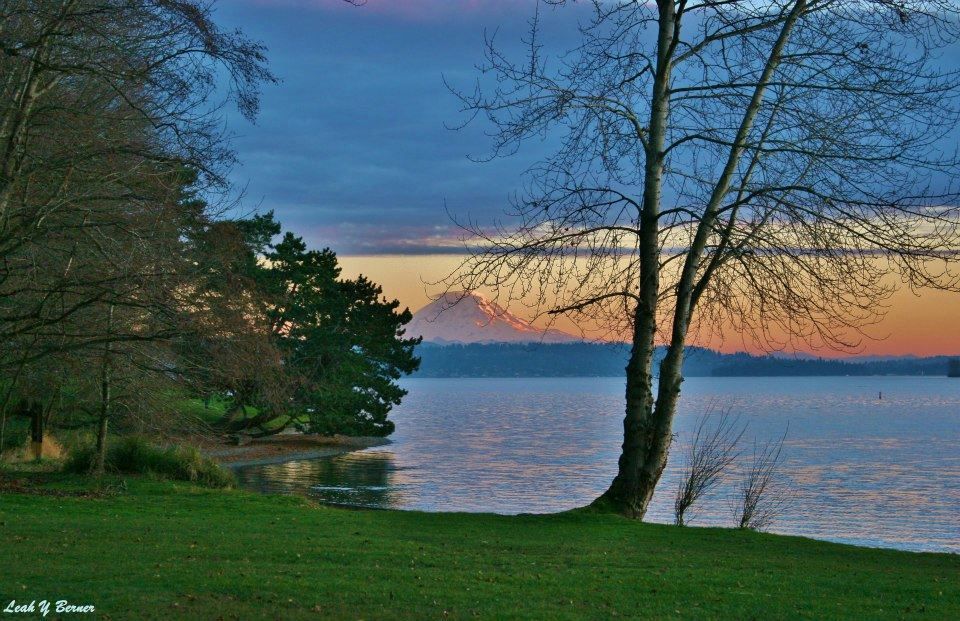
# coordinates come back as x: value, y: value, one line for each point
x: 212, y: 411
x: 161, y: 551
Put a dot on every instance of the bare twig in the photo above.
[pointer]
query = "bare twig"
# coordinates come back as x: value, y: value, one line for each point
x: 760, y: 499
x: 711, y: 451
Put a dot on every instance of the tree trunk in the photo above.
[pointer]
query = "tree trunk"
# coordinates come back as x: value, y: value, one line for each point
x: 648, y: 425
x: 630, y: 491
x: 236, y: 412
x: 647, y: 430
x: 3, y: 422
x: 36, y: 430
x: 15, y: 127
x: 8, y: 394
x: 632, y: 488
x: 257, y: 423
x: 99, y: 463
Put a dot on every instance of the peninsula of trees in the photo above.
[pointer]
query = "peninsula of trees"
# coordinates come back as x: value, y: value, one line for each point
x: 128, y: 284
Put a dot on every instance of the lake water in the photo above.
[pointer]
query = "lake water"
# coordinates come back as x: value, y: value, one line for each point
x: 858, y: 469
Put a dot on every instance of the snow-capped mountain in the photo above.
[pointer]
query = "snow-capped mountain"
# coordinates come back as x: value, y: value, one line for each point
x: 471, y: 318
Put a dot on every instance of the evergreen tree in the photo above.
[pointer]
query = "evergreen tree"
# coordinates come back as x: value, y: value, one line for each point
x: 342, y: 341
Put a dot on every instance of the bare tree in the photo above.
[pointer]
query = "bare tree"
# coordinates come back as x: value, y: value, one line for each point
x: 111, y: 127
x: 771, y: 168
x: 103, y: 105
x: 710, y: 452
x: 760, y: 501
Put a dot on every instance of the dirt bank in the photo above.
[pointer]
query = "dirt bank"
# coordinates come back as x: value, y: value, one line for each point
x: 287, y: 447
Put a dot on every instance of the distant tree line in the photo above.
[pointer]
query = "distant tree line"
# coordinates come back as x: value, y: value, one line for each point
x: 125, y: 290
x: 770, y: 366
x: 609, y: 360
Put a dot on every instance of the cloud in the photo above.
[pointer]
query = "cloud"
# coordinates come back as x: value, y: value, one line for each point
x: 352, y: 150
x: 411, y: 10
x: 373, y: 239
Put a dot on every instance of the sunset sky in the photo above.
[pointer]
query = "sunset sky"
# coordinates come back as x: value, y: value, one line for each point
x: 353, y: 150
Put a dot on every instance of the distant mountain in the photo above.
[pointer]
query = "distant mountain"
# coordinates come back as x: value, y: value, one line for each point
x: 461, y: 317
x: 468, y: 335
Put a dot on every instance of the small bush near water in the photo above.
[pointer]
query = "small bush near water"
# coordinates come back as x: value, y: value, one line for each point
x: 15, y: 434
x: 135, y: 455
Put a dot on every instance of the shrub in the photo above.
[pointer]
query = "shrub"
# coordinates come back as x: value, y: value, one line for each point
x: 80, y: 459
x: 136, y: 455
x: 712, y: 450
x: 15, y: 434
x: 762, y: 498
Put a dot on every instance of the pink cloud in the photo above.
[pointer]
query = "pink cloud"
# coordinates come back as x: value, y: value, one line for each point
x: 413, y: 10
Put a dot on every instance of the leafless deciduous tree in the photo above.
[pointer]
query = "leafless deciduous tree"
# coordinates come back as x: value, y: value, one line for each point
x: 103, y: 106
x: 770, y: 167
x: 111, y: 126
x: 709, y: 454
x: 760, y: 500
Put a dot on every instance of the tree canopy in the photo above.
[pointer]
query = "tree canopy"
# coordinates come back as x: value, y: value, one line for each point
x: 341, y: 342
x: 125, y: 291
x: 770, y: 167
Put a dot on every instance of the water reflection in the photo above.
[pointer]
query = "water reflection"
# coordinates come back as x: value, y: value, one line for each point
x: 860, y: 470
x: 368, y: 479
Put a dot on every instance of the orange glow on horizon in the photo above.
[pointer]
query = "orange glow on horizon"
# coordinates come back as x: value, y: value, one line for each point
x: 923, y: 325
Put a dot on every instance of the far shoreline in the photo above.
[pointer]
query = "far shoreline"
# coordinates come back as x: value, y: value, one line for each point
x: 288, y: 447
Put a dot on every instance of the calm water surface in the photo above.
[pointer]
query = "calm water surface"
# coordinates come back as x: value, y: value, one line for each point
x: 859, y: 469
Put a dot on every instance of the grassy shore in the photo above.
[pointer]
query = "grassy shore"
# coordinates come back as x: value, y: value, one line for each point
x: 155, y: 550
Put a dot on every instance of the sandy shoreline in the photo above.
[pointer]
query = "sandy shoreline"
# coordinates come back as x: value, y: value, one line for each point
x: 288, y: 447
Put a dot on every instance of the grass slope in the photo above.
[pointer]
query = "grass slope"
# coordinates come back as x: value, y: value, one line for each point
x: 162, y: 550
